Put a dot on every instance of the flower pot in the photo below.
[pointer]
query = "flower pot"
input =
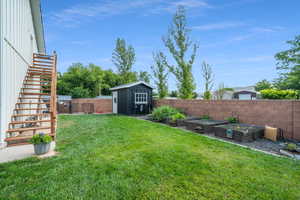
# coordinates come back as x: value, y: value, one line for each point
x: 40, y: 149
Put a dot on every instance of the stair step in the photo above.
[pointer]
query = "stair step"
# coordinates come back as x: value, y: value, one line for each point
x: 26, y: 80
x: 39, y: 89
x: 27, y: 129
x: 40, y: 71
x: 43, y: 57
x: 29, y: 122
x: 19, y: 109
x: 38, y: 77
x: 37, y: 84
x: 36, y: 64
x: 33, y: 103
x: 41, y: 94
x: 30, y: 98
x: 28, y: 115
x: 46, y: 62
x: 19, y: 138
x: 42, y: 68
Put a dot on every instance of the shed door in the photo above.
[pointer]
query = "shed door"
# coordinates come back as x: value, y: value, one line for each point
x: 115, y: 101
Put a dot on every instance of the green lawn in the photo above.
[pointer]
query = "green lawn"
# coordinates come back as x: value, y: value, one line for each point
x: 117, y: 157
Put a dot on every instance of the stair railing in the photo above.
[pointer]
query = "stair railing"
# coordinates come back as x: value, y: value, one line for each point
x: 53, y: 98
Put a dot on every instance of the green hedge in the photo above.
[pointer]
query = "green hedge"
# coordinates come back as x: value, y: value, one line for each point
x: 279, y: 94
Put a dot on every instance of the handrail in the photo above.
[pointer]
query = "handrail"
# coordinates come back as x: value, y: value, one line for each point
x: 53, y: 98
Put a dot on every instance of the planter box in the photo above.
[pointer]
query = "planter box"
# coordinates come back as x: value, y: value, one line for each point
x: 203, y: 125
x: 239, y: 132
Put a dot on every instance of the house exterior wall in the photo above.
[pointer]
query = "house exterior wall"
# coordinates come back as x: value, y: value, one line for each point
x: 283, y: 114
x: 17, y: 44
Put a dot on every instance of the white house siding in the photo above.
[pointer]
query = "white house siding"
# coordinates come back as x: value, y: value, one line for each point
x: 18, y: 42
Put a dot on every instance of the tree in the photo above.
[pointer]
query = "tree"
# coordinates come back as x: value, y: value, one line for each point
x: 160, y: 74
x: 144, y: 76
x: 86, y: 81
x: 207, y: 74
x: 124, y: 57
x: 289, y: 65
x: 262, y: 85
x: 173, y: 93
x: 178, y: 43
x: 80, y: 92
x: 220, y: 92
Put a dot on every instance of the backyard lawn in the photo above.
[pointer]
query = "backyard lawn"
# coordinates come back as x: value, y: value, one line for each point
x: 118, y: 157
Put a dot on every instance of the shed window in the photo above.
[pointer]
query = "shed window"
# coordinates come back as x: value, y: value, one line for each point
x: 141, y: 98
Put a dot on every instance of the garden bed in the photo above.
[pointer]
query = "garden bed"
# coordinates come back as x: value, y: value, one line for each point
x: 239, y: 132
x: 202, y: 125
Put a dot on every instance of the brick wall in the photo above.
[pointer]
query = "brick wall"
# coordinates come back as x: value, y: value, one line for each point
x: 92, y: 105
x: 282, y: 114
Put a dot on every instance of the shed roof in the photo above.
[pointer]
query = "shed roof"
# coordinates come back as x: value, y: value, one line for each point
x: 130, y: 85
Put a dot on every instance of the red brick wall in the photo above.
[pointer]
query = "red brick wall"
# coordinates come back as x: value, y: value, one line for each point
x: 282, y: 114
x: 99, y: 105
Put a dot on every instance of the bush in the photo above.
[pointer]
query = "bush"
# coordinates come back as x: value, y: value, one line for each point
x: 40, y: 138
x: 207, y: 95
x: 163, y: 113
x: 177, y: 116
x: 205, y: 117
x: 232, y: 120
x: 279, y: 94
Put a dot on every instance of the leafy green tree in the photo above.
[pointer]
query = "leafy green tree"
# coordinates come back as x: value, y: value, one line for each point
x: 262, y: 85
x: 207, y: 74
x: 173, y: 93
x: 144, y: 76
x: 160, y: 75
x: 289, y: 65
x: 124, y: 57
x: 207, y: 95
x: 80, y: 92
x: 178, y: 43
x: 86, y: 81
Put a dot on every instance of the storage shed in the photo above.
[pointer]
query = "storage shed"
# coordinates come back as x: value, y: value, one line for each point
x: 132, y: 99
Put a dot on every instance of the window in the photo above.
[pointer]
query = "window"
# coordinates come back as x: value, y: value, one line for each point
x: 141, y: 98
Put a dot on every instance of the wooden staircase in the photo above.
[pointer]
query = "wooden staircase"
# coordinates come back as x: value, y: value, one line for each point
x: 35, y: 110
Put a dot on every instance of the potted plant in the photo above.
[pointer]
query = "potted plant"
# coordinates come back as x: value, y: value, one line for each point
x: 41, y: 143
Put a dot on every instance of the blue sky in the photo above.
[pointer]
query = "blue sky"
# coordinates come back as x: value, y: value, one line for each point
x: 237, y: 37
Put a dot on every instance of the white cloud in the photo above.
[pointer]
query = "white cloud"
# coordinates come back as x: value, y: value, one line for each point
x: 73, y: 16
x: 267, y: 29
x: 218, y: 26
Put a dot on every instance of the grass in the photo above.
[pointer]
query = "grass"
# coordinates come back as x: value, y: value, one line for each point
x: 117, y: 157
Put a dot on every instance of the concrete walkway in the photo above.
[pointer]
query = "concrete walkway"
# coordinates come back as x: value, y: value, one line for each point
x: 20, y: 152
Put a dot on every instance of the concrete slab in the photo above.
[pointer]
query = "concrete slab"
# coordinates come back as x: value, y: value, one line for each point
x: 20, y: 152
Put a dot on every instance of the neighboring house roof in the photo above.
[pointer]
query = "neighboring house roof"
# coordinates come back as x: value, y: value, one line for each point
x: 38, y: 25
x: 103, y: 97
x: 64, y: 98
x: 130, y: 85
x: 247, y: 88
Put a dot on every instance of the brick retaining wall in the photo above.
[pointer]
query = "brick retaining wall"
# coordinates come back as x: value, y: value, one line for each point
x: 282, y: 114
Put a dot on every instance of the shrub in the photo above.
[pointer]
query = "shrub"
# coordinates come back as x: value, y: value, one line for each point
x: 177, y: 116
x: 40, y: 138
x: 163, y: 113
x: 279, y: 94
x: 207, y: 95
x: 291, y: 147
x: 232, y: 119
x: 205, y: 117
